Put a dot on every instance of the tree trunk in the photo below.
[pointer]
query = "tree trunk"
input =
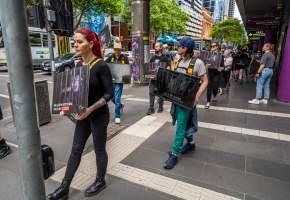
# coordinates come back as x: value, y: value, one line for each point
x: 79, y: 20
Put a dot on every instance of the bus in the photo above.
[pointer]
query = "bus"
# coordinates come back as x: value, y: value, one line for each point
x: 38, y: 44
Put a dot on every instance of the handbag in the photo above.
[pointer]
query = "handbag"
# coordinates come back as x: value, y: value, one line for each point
x: 47, y: 161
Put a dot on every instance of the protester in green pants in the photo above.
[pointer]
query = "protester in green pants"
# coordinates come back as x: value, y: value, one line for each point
x: 193, y: 67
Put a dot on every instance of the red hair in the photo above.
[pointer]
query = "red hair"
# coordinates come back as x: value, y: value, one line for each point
x: 92, y: 36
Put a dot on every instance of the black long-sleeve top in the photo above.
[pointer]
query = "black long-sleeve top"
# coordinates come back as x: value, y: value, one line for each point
x: 100, y: 85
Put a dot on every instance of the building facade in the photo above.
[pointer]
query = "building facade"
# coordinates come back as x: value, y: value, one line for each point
x: 194, y: 25
x: 220, y: 9
x: 209, y: 5
x: 207, y: 25
x: 229, y: 9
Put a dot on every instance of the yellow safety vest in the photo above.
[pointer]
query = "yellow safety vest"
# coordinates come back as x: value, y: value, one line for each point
x: 189, y: 70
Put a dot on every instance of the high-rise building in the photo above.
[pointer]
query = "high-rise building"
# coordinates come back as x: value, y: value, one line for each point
x: 229, y: 8
x: 218, y: 14
x: 220, y: 9
x: 193, y: 9
x: 209, y: 5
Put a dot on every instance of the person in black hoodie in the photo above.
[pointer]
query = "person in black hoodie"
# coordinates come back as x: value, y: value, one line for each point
x: 94, y: 120
x: 4, y: 148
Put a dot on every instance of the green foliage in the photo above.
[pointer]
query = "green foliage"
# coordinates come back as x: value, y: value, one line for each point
x: 165, y: 16
x: 32, y: 2
x: 231, y: 30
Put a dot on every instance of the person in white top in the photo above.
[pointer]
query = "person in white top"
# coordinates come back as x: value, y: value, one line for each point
x: 228, y: 62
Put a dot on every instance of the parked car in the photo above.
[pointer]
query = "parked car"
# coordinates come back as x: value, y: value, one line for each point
x: 62, y: 63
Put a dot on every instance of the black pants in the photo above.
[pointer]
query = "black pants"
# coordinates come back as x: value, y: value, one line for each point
x: 96, y: 125
x: 213, y: 83
x: 152, y: 96
x: 227, y: 76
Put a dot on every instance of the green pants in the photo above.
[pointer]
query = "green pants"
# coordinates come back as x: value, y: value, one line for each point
x: 182, y: 116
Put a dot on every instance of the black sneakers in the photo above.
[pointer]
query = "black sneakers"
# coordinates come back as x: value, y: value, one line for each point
x: 150, y: 111
x: 4, y: 149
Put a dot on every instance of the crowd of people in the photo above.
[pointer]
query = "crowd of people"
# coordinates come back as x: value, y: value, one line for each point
x: 214, y: 79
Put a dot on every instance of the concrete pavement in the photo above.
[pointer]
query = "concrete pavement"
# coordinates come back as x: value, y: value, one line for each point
x: 242, y: 153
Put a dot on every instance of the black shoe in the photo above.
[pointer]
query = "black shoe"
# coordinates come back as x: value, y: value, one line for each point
x: 187, y: 148
x: 171, y: 161
x: 4, y: 150
x: 60, y: 193
x: 95, y: 188
x: 160, y: 110
x: 150, y: 111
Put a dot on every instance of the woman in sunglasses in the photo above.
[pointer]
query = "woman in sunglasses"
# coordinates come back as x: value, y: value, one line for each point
x: 214, y: 75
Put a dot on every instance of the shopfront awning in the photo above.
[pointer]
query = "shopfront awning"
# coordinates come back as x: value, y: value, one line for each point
x: 258, y: 14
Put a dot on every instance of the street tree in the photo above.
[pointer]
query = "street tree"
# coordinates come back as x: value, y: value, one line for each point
x: 231, y: 30
x: 165, y: 17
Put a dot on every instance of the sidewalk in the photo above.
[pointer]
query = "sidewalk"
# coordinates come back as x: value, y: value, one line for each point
x: 243, y: 152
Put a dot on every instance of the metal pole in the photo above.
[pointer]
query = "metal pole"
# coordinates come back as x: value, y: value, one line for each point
x: 119, y: 27
x: 50, y: 35
x: 15, y: 33
x: 140, y: 31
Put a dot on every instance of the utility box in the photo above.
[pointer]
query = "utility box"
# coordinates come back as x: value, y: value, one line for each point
x: 42, y: 102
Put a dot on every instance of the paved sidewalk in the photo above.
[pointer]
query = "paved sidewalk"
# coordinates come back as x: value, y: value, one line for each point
x: 243, y: 152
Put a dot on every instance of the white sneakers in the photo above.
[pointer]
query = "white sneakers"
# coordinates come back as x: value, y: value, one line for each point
x: 264, y: 101
x: 117, y: 120
x: 257, y: 101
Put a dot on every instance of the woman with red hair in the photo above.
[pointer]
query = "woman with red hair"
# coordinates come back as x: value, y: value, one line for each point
x: 94, y: 119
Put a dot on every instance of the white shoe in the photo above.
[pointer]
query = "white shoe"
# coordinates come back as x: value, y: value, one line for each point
x: 264, y: 101
x: 207, y: 105
x: 117, y: 120
x: 254, y: 101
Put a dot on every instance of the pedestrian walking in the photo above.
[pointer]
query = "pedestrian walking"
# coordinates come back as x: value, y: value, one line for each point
x: 228, y: 61
x: 193, y: 67
x: 214, y: 76
x: 264, y: 75
x: 158, y: 60
x: 118, y: 58
x: 4, y: 148
x: 241, y: 62
x: 94, y: 120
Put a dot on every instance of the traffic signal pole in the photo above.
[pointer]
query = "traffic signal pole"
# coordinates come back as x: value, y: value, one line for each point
x: 15, y: 34
x: 50, y: 35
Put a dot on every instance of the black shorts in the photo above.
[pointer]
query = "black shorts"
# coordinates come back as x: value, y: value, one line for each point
x: 238, y: 67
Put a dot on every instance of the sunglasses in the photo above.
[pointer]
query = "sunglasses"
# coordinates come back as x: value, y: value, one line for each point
x: 213, y: 46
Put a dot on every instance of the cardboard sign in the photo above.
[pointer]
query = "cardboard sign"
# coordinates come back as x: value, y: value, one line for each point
x: 70, y: 91
x: 151, y: 69
x: 121, y: 73
x: 177, y: 87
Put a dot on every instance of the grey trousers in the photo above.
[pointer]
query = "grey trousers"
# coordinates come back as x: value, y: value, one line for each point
x: 152, y: 96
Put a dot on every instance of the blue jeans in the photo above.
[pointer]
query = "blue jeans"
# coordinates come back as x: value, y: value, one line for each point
x: 118, y: 89
x: 263, y: 83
